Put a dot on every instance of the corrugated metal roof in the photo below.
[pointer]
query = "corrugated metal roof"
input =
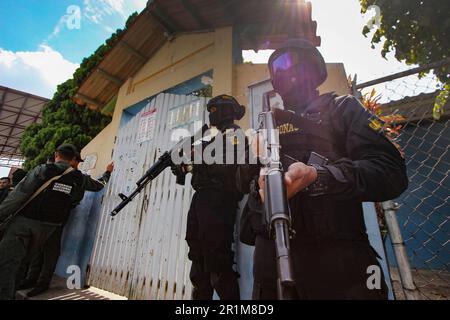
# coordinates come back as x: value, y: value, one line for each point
x: 18, y: 110
x: 414, y: 108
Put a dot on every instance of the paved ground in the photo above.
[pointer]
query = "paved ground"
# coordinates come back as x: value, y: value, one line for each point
x: 59, y: 291
x: 432, y: 285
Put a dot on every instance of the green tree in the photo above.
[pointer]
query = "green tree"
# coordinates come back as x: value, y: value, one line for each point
x: 64, y: 121
x: 417, y: 31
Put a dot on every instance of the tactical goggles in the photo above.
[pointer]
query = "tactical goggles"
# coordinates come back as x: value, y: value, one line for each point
x: 288, y: 59
x: 284, y: 61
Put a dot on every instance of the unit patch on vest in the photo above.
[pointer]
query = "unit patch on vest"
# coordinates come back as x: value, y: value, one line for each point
x: 376, y: 124
x: 64, y: 188
x: 286, y: 128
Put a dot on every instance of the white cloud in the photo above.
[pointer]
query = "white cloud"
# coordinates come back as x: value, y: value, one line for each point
x: 97, y: 10
x: 101, y: 11
x: 59, y: 26
x: 108, y: 14
x: 38, y: 72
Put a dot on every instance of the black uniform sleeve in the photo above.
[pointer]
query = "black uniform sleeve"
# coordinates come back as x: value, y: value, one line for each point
x: 96, y: 185
x: 374, y: 169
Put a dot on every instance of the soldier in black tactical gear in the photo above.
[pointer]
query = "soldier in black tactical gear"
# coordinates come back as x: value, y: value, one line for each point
x: 211, y: 217
x: 33, y: 224
x: 336, y: 156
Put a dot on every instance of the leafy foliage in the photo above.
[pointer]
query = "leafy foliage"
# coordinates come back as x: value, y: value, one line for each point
x: 441, y: 100
x: 64, y: 121
x: 418, y: 31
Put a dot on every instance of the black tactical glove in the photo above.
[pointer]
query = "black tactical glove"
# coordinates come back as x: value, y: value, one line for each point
x: 180, y: 172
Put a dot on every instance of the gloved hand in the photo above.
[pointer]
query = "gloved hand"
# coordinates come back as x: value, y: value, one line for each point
x: 177, y: 170
x: 180, y: 172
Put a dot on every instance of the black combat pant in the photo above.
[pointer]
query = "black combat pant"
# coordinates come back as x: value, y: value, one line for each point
x: 210, y: 235
x: 22, y: 240
x: 323, y: 270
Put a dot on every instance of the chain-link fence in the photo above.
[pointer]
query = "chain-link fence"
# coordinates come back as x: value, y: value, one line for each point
x: 406, y: 104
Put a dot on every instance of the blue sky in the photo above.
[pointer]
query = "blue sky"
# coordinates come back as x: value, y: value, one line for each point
x: 34, y: 21
x: 42, y: 42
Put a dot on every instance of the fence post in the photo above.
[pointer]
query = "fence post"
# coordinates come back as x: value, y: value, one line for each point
x: 404, y: 269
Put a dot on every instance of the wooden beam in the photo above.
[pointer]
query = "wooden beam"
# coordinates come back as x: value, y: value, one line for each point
x: 194, y: 14
x: 110, y: 77
x: 142, y: 59
x: 228, y: 6
x: 166, y: 19
x: 88, y: 100
x: 169, y: 33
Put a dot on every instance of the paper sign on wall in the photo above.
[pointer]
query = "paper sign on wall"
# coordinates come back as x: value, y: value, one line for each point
x: 89, y: 163
x: 146, y: 126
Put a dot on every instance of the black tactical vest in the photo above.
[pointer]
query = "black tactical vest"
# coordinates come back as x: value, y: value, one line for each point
x: 322, y: 217
x: 53, y: 205
x: 217, y: 176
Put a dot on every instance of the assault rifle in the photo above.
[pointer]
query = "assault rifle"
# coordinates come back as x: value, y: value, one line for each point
x: 163, y: 162
x: 276, y: 202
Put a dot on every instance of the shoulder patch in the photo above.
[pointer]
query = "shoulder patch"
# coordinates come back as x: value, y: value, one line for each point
x: 376, y: 124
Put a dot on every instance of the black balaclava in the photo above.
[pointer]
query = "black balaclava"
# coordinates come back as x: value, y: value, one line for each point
x: 297, y: 69
x: 222, y: 117
x: 223, y: 110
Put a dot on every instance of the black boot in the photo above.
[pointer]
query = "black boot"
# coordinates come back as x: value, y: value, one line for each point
x: 202, y: 289
x: 26, y: 284
x: 226, y: 284
x: 39, y: 289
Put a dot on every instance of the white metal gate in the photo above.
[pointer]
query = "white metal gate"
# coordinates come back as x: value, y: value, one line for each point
x: 141, y: 253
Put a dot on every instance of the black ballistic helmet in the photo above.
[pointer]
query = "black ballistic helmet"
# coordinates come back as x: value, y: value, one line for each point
x: 224, y: 100
x: 297, y: 51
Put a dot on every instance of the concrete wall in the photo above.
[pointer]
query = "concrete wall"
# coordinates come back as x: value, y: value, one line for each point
x: 244, y: 75
x: 100, y: 147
